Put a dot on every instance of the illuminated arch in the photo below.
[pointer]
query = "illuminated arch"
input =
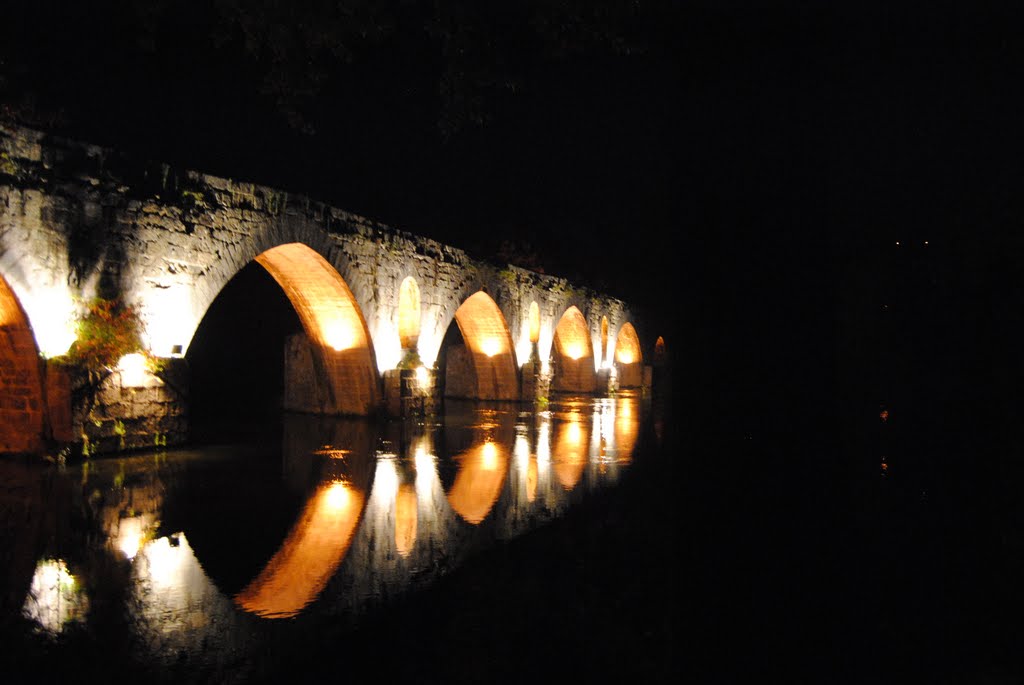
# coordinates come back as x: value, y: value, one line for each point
x: 489, y: 346
x: 409, y: 313
x: 21, y: 390
x: 628, y: 358
x: 534, y: 320
x: 573, y: 354
x: 333, y: 323
x: 604, y: 339
x: 659, y: 351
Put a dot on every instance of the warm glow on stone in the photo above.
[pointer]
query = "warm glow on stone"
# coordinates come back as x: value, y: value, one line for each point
x: 133, y: 370
x: 53, y: 319
x: 627, y: 346
x: 486, y: 335
x: 534, y: 318
x: 332, y: 320
x: 627, y: 356
x: 408, y: 313
x: 572, y: 344
x: 490, y: 346
x: 604, y: 340
x: 574, y: 351
x: 338, y: 335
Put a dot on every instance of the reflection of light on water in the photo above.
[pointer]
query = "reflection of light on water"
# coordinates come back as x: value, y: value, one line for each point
x: 489, y: 454
x: 405, y: 519
x: 478, y: 482
x: 573, y: 433
x: 131, y: 533
x: 521, y: 450
x: 426, y: 472
x: 167, y: 563
x: 332, y: 453
x: 316, y: 544
x: 337, y: 496
x: 385, y: 480
x: 54, y: 598
x: 544, y: 443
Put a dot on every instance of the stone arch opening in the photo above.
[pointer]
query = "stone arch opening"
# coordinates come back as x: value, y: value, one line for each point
x: 21, y: 388
x: 572, y: 355
x: 659, y: 351
x: 285, y: 333
x: 409, y: 314
x: 477, y: 359
x: 628, y: 359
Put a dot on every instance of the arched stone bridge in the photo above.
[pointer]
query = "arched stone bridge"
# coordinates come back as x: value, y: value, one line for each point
x: 77, y: 220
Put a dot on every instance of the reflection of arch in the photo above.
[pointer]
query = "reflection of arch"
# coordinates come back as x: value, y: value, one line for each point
x: 628, y: 358
x: 300, y: 569
x: 478, y: 483
x: 569, y: 451
x: 330, y: 315
x: 485, y: 367
x: 409, y: 313
x: 21, y: 390
x: 627, y: 426
x: 575, y: 357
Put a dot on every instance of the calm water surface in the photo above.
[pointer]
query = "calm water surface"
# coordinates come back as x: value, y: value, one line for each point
x: 207, y: 556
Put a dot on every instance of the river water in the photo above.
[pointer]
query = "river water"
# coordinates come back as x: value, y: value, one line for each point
x: 209, y: 563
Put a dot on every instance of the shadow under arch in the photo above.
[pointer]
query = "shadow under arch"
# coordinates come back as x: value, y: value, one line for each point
x: 477, y: 359
x: 628, y: 357
x: 573, y: 354
x: 22, y: 406
x: 323, y: 347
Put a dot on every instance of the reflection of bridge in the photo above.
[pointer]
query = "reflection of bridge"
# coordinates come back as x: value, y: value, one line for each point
x: 394, y: 515
x: 77, y: 220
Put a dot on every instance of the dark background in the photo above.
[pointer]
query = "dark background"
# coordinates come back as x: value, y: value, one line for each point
x: 819, y: 203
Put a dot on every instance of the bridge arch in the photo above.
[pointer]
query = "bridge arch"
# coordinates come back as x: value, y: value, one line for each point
x: 478, y: 355
x: 409, y: 313
x: 572, y: 354
x: 334, y: 370
x: 21, y: 389
x: 604, y: 342
x: 628, y: 357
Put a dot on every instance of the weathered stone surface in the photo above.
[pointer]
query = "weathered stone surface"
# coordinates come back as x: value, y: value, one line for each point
x: 78, y: 220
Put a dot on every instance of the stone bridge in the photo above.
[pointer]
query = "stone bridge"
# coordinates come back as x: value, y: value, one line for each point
x: 377, y: 304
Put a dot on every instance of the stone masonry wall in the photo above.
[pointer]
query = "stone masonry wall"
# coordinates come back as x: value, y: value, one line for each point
x: 77, y: 220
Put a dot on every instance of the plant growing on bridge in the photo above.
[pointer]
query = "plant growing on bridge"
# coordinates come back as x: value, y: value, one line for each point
x: 108, y: 330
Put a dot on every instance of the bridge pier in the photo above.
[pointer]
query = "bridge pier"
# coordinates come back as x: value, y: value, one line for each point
x: 410, y: 392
